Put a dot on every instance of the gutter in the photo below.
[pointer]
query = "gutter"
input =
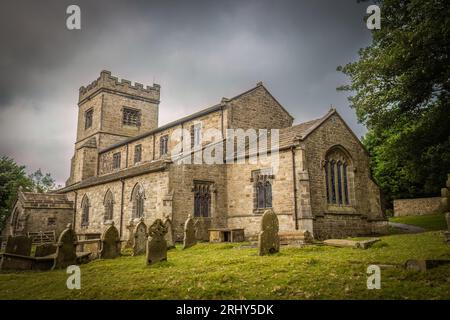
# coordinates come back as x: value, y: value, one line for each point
x: 295, y: 188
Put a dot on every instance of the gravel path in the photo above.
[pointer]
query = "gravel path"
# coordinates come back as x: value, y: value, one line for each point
x: 407, y: 227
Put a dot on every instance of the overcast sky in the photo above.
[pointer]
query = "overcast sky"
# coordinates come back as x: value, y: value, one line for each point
x: 198, y: 51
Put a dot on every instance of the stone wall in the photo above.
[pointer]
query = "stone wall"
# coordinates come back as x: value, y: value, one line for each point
x: 34, y: 212
x: 418, y: 206
x: 151, y: 149
x: 155, y: 186
x: 364, y: 194
x: 258, y: 109
x: 182, y: 178
x: 240, y: 190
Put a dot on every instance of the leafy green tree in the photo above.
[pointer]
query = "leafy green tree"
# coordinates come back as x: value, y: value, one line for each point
x: 41, y: 182
x: 400, y: 91
x: 12, y: 176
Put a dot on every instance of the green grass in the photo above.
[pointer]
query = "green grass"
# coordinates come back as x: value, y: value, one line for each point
x: 428, y: 222
x: 225, y: 271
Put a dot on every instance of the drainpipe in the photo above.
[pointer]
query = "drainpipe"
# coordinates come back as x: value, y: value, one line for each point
x: 121, y: 208
x: 75, y: 210
x: 295, y: 188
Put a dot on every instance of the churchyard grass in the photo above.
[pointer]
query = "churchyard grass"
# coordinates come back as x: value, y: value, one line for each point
x: 428, y: 221
x: 226, y: 271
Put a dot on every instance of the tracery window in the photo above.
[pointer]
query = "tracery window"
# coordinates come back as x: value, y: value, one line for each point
x: 85, y: 211
x: 109, y: 206
x: 138, y: 197
x: 336, y: 177
x: 262, y: 182
x: 202, y: 198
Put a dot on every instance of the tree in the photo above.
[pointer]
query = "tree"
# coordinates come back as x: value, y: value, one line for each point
x: 12, y: 176
x: 400, y: 91
x: 42, y: 183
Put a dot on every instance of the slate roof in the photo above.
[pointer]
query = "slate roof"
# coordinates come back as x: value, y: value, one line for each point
x: 158, y: 165
x: 43, y: 200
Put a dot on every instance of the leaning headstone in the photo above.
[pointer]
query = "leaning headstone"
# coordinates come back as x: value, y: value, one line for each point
x: 189, y: 233
x: 169, y: 234
x: 110, y: 243
x: 140, y: 238
x: 156, y: 244
x: 268, y: 239
x: 19, y: 245
x: 66, y: 248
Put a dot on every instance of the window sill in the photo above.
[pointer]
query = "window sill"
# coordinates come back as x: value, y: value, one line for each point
x: 261, y: 210
x: 345, y: 209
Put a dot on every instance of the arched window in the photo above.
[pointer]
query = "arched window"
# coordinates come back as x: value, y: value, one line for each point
x: 109, y: 206
x: 138, y: 197
x: 85, y: 211
x: 336, y: 167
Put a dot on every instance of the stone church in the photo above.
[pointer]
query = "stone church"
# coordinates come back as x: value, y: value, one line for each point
x: 124, y: 170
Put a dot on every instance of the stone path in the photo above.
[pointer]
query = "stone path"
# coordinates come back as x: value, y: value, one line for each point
x: 407, y: 227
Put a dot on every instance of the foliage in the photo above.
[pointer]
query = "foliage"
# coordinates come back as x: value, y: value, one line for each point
x: 12, y: 176
x: 42, y: 183
x: 229, y: 271
x: 400, y: 87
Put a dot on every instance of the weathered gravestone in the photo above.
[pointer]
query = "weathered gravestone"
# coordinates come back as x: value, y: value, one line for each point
x: 110, y: 243
x: 66, y: 249
x: 140, y: 238
x: 424, y: 265
x: 19, y: 245
x: 268, y: 239
x: 169, y: 234
x: 156, y: 244
x: 44, y: 250
x: 201, y: 230
x: 189, y: 233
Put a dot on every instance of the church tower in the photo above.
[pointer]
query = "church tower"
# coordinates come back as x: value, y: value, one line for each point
x: 110, y: 111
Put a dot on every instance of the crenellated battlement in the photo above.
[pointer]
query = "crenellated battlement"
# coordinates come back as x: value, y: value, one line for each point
x: 109, y: 82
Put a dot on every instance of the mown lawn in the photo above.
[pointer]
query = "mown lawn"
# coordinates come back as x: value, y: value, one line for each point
x: 428, y: 222
x: 226, y: 271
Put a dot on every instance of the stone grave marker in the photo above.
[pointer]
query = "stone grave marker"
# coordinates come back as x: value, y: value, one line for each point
x: 156, y: 244
x: 66, y: 248
x: 20, y: 245
x: 189, y: 233
x: 268, y: 239
x: 169, y: 234
x: 201, y: 230
x: 44, y: 250
x: 140, y: 238
x: 110, y: 243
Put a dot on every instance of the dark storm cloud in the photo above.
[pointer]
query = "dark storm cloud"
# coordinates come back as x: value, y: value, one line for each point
x: 199, y: 51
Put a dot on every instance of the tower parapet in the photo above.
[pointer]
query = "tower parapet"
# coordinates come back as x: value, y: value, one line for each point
x: 107, y: 82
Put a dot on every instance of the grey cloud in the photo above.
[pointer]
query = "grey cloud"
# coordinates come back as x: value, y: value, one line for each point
x: 199, y: 51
